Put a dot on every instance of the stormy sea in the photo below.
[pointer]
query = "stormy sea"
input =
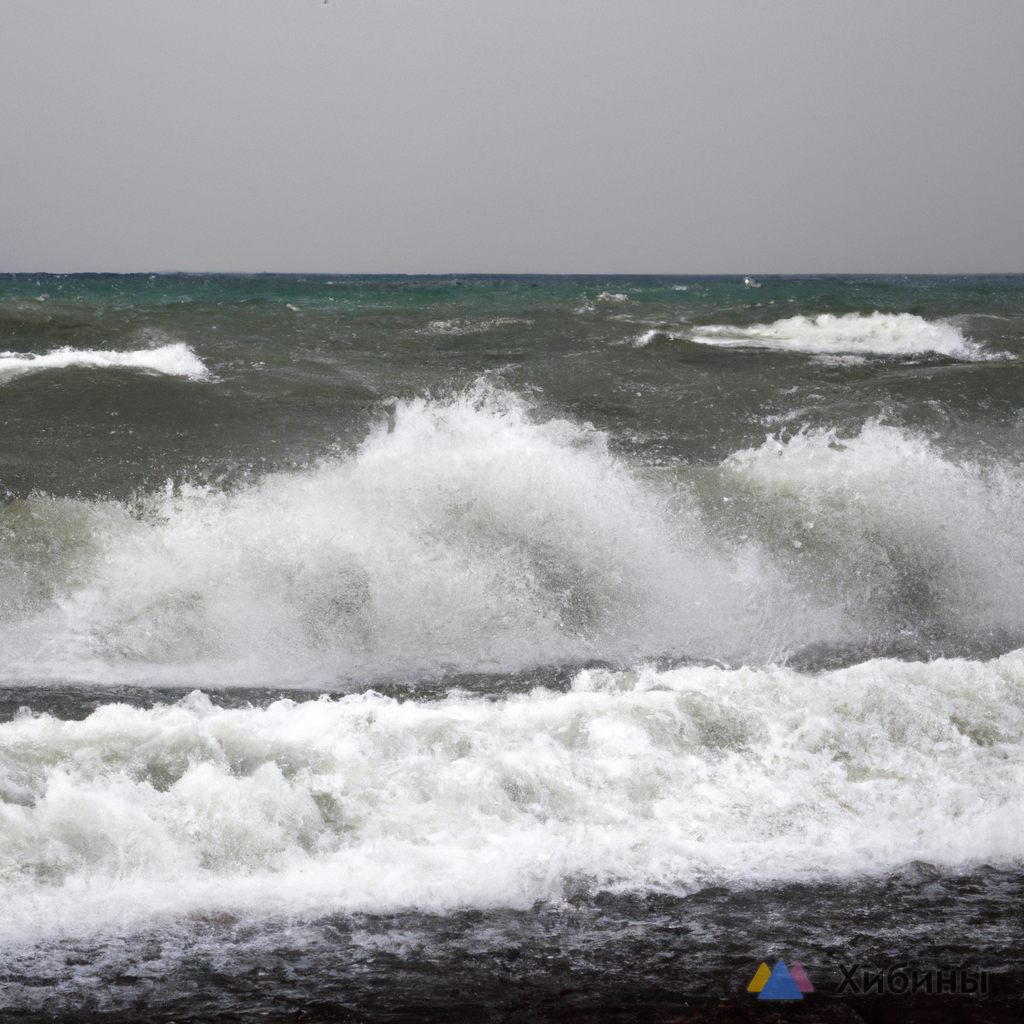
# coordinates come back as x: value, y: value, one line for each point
x: 510, y: 648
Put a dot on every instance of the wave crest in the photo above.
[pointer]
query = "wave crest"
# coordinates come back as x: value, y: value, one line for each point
x: 878, y: 334
x: 176, y: 360
x: 461, y: 535
x: 466, y: 535
x: 671, y: 780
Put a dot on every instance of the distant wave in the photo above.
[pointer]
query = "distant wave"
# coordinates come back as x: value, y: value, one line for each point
x: 653, y: 335
x: 465, y: 325
x: 175, y: 360
x: 885, y: 334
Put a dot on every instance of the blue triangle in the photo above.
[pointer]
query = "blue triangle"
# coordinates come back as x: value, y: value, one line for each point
x: 780, y: 985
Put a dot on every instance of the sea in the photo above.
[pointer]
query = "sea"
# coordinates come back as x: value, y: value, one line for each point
x: 399, y: 648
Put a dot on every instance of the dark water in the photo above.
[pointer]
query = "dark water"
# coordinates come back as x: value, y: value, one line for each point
x: 294, y: 383
x: 649, y: 955
x: 504, y: 646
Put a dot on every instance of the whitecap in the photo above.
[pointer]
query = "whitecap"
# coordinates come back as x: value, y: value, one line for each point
x: 652, y: 335
x: 467, y: 325
x: 465, y: 535
x: 176, y: 360
x: 884, y: 334
x: 893, y: 530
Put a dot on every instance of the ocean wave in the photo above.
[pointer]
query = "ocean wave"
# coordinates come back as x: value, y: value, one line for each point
x: 632, y: 780
x: 885, y: 529
x: 466, y: 535
x: 176, y: 360
x: 466, y: 325
x: 460, y: 535
x: 880, y: 334
x: 655, y: 334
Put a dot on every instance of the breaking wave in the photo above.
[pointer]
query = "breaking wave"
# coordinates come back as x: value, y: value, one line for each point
x: 884, y: 529
x: 461, y: 535
x: 176, y: 360
x: 466, y: 536
x: 665, y: 780
x: 877, y: 334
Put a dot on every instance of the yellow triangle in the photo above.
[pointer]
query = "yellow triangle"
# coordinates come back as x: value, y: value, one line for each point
x: 763, y: 974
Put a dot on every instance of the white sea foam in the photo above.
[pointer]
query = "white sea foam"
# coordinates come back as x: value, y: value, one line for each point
x: 884, y: 529
x: 464, y: 536
x: 177, y: 360
x: 644, y: 779
x: 467, y: 536
x: 884, y: 334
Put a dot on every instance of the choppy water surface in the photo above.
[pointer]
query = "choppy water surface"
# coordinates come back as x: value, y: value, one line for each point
x: 363, y: 633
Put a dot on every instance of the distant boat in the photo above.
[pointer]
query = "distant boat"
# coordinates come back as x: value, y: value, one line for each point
x: 751, y: 283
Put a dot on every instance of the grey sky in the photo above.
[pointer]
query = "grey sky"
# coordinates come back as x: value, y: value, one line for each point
x: 713, y: 136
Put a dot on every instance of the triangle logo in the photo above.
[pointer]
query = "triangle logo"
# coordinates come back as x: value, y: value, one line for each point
x: 780, y: 985
x: 800, y: 977
x: 757, y: 982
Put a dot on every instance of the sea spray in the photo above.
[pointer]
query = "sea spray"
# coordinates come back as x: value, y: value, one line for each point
x: 461, y: 534
x: 886, y: 529
x: 468, y: 535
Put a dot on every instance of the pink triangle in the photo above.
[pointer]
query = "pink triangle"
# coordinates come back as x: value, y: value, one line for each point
x: 800, y: 977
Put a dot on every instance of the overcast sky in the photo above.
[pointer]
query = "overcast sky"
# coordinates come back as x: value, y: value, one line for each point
x: 712, y: 136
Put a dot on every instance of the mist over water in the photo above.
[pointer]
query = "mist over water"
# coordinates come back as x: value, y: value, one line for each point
x: 420, y: 596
